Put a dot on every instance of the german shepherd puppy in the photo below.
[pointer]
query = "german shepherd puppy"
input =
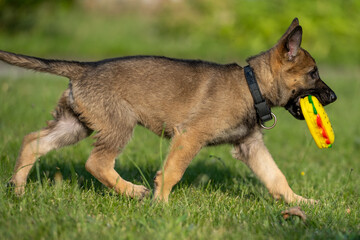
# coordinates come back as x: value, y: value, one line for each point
x: 195, y: 103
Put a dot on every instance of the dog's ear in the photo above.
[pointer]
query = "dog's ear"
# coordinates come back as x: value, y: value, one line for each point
x: 292, y: 26
x: 290, y: 42
x: 293, y: 42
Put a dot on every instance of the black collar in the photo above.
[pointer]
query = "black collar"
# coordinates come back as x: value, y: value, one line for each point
x: 263, y: 111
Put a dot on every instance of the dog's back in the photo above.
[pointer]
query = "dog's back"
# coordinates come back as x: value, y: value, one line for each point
x: 162, y: 90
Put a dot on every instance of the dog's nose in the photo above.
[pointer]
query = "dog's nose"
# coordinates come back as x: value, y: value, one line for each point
x: 333, y: 96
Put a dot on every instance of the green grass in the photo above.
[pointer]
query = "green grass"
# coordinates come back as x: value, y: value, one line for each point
x: 218, y: 196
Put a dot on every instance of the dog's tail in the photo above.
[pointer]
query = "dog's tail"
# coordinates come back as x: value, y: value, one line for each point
x: 64, y: 68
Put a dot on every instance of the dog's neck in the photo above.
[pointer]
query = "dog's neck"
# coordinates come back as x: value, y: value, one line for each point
x: 264, y: 76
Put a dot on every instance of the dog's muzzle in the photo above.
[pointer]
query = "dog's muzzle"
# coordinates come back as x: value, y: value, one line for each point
x: 322, y: 92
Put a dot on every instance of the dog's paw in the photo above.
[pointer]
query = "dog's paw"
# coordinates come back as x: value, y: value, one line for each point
x: 159, y: 195
x: 300, y: 199
x: 159, y: 198
x: 17, y: 190
x: 137, y: 191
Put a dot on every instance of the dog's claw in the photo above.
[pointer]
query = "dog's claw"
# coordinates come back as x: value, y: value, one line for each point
x: 146, y: 192
x: 10, y: 185
x: 138, y: 192
x: 17, y: 190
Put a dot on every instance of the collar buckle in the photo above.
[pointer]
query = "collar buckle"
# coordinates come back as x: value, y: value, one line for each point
x: 263, y: 111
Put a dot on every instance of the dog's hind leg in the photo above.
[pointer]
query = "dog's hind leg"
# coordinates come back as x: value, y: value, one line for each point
x: 65, y: 130
x: 102, y: 161
x: 101, y: 165
x: 253, y: 152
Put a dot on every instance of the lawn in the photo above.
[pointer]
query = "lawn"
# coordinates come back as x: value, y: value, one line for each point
x: 218, y: 197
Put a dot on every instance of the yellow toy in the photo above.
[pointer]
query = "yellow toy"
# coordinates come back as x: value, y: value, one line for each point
x: 317, y: 121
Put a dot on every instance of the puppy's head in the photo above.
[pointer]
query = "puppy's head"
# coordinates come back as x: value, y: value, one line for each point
x: 296, y: 73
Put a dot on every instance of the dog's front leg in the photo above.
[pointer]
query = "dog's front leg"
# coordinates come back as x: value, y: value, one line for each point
x: 253, y: 152
x: 185, y: 145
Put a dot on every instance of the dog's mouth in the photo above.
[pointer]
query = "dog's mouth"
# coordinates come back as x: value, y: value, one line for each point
x: 321, y: 91
x: 293, y: 106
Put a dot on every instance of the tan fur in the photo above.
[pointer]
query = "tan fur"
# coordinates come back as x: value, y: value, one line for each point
x: 195, y: 103
x: 256, y: 156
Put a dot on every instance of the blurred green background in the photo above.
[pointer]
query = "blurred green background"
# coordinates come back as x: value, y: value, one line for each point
x: 223, y: 31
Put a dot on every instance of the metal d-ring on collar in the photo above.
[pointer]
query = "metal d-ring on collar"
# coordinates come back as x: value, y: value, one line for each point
x: 272, y: 126
x: 263, y: 111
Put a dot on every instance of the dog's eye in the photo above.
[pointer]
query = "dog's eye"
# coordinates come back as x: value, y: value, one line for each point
x: 314, y: 74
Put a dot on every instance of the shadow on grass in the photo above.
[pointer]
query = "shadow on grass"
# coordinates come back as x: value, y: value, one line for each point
x: 202, y: 173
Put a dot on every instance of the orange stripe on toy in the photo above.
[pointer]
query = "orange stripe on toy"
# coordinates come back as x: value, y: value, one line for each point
x: 323, y: 132
x: 317, y: 121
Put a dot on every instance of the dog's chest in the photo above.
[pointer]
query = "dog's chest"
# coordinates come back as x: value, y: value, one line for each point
x: 230, y: 135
